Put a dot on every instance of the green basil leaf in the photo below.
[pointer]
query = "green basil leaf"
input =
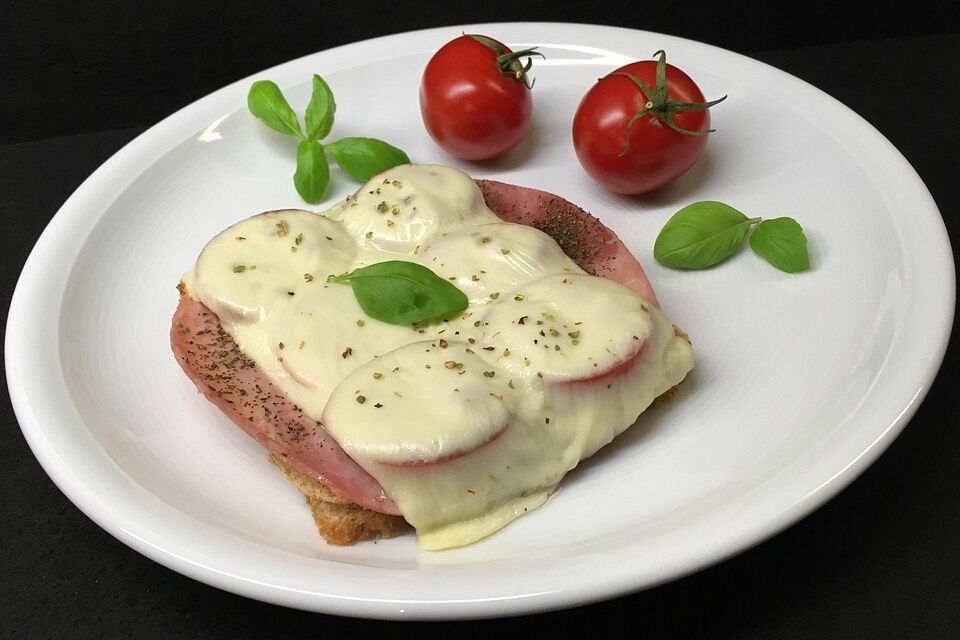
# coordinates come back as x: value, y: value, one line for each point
x: 781, y: 242
x: 267, y: 104
x: 313, y: 173
x: 363, y: 158
x: 400, y: 292
x: 319, y: 114
x: 700, y: 235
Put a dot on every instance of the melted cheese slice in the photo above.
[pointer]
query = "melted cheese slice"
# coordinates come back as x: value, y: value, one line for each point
x: 467, y: 423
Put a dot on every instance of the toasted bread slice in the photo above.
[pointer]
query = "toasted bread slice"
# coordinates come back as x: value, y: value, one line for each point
x: 342, y: 522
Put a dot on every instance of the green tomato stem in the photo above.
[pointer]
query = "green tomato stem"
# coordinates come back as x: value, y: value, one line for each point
x: 659, y: 104
x: 509, y: 62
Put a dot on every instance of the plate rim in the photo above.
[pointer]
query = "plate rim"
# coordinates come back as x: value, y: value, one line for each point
x: 20, y: 324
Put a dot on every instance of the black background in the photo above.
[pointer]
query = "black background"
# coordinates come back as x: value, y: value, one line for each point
x: 73, y: 67
x: 80, y: 80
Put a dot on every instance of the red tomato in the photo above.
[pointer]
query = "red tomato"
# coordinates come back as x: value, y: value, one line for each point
x: 656, y: 153
x: 474, y: 97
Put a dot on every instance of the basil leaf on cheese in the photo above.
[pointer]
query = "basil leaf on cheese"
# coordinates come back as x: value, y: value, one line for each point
x: 400, y: 292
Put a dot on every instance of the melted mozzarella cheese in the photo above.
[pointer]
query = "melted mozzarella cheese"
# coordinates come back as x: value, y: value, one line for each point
x: 467, y: 423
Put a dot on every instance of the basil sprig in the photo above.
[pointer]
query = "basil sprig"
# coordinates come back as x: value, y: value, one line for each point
x: 360, y: 158
x: 780, y: 241
x: 319, y: 113
x: 313, y: 173
x: 400, y: 292
x: 700, y: 235
x: 266, y: 102
x: 705, y: 233
x: 363, y: 158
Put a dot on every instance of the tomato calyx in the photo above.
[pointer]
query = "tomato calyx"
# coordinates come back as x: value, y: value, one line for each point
x: 509, y: 62
x: 659, y: 103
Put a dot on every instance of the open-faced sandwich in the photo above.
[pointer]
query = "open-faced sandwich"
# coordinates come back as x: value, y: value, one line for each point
x: 458, y: 424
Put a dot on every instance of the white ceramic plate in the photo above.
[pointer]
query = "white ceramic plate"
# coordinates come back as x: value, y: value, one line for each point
x: 801, y: 380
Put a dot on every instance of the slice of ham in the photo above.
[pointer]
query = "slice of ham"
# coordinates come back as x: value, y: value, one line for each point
x: 593, y: 246
x: 234, y: 383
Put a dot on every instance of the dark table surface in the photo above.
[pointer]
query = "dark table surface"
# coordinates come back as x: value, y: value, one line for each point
x: 881, y: 560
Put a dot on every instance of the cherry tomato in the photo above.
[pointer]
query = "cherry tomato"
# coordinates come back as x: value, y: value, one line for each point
x: 641, y: 126
x: 475, y: 99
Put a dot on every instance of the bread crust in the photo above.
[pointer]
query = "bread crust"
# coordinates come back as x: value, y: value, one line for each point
x: 340, y: 521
